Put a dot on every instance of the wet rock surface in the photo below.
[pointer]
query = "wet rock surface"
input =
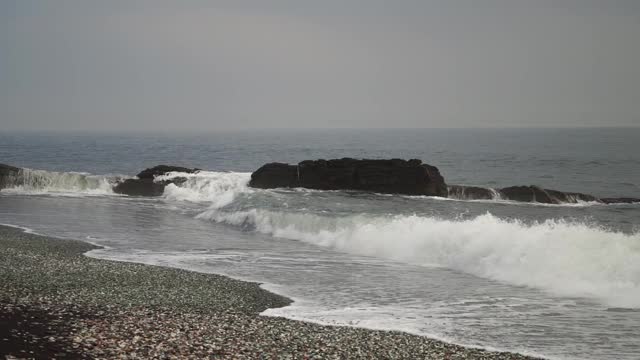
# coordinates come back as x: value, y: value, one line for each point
x: 8, y: 170
x: 544, y: 196
x: 144, y: 183
x: 139, y: 187
x: 531, y: 193
x: 624, y: 200
x: 395, y: 176
x: 470, y: 193
x: 526, y: 194
x: 159, y: 170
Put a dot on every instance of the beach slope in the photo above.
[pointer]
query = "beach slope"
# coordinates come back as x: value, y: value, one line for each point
x: 57, y: 303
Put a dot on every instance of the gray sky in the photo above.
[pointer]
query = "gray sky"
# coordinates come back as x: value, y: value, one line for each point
x: 216, y: 65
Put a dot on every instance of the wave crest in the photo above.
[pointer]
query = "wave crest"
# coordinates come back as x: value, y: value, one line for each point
x: 42, y: 181
x: 217, y: 188
x: 564, y: 258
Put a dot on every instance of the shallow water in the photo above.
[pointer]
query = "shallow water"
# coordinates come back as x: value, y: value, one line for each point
x: 559, y: 281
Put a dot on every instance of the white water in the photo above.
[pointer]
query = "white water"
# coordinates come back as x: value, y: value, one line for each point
x: 217, y: 188
x: 563, y: 258
x: 66, y: 183
x: 460, y: 193
x: 566, y: 259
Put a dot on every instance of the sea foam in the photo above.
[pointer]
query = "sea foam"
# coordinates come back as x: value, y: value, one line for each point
x: 563, y: 258
x: 217, y: 188
x: 70, y: 183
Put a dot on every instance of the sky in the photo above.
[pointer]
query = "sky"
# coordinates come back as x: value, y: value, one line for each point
x: 159, y: 65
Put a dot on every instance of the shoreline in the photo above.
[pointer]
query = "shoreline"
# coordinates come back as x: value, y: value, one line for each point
x: 56, y: 302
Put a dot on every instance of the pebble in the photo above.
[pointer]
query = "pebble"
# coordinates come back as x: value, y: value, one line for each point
x: 70, y: 305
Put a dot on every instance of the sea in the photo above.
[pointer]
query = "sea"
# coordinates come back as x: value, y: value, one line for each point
x: 556, y: 281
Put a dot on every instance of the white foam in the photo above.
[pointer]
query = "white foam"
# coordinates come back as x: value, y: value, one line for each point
x: 564, y: 258
x: 62, y: 183
x: 217, y: 188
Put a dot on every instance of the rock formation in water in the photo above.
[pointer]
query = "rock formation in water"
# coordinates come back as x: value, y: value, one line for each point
x: 393, y: 176
x: 145, y: 184
x: 545, y: 196
x: 530, y: 193
x: 623, y: 200
x: 471, y: 193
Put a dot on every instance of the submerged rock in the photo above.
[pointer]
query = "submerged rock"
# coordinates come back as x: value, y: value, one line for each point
x: 623, y: 200
x: 545, y: 196
x: 145, y: 184
x: 523, y: 194
x: 395, y: 176
x: 526, y: 194
x: 471, y: 193
x: 570, y: 197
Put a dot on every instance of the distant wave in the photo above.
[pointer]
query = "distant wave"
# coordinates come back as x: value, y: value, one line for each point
x: 43, y: 182
x: 564, y: 258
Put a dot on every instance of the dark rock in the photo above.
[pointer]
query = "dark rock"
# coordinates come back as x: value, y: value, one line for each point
x: 327, y: 175
x: 145, y: 184
x: 620, y: 200
x: 275, y: 175
x: 470, y: 193
x: 569, y: 197
x: 139, y: 187
x: 519, y: 193
x: 526, y: 194
x: 545, y: 196
x: 6, y: 170
x: 151, y: 173
x: 395, y: 176
x: 9, y: 175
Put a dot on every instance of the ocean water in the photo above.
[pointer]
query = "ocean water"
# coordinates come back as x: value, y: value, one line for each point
x: 559, y: 281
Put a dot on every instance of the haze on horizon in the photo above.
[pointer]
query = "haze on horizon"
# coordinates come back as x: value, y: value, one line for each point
x: 219, y: 65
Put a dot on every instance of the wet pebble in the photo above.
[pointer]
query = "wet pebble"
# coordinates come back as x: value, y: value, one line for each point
x: 64, y: 304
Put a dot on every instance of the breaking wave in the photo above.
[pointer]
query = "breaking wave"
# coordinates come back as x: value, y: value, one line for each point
x: 461, y: 192
x: 217, y: 188
x: 41, y: 181
x: 564, y: 258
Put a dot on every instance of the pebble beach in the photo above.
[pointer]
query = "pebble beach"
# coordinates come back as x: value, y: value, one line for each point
x: 57, y: 303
